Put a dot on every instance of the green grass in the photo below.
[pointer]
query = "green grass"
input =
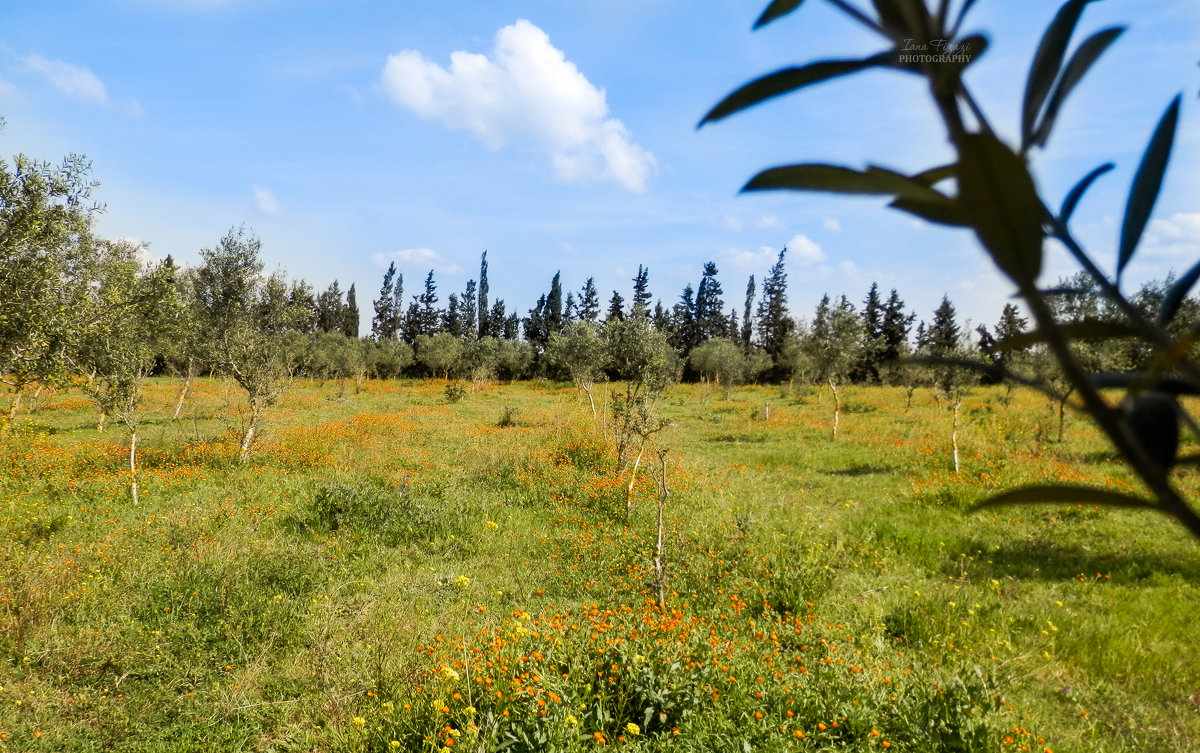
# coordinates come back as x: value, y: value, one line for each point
x: 397, y: 571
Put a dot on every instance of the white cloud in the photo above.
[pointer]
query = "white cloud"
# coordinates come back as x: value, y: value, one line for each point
x: 732, y: 222
x: 741, y: 261
x: 135, y: 110
x: 418, y: 259
x: 526, y: 94
x: 804, y: 251
x: 831, y: 224
x: 74, y: 81
x: 265, y: 202
x: 1177, y: 237
x: 7, y: 90
x: 769, y: 221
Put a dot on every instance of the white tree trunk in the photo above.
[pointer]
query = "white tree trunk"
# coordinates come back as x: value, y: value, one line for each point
x: 183, y: 393
x: 133, y: 485
x: 837, y: 406
x: 954, y: 434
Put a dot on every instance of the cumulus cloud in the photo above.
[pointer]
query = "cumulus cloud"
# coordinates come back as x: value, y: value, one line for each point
x: 804, y: 251
x: 526, y: 93
x: 265, y: 202
x: 417, y: 258
x: 74, y: 81
x: 1177, y: 237
x: 831, y: 224
x: 769, y: 221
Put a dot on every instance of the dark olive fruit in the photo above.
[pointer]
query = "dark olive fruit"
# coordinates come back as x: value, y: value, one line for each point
x: 1154, y: 419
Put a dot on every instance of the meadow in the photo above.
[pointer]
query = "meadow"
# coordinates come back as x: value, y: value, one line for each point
x: 394, y: 570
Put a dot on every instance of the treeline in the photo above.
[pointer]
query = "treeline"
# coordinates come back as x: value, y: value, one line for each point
x: 76, y: 307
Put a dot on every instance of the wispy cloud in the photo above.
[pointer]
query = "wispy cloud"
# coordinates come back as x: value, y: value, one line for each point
x: 74, y: 81
x: 417, y: 259
x: 265, y: 202
x: 525, y: 93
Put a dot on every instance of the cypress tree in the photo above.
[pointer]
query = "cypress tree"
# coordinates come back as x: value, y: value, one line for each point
x: 746, y: 328
x: 554, y: 306
x: 468, y: 311
x: 350, y: 314
x: 329, y: 309
x: 485, y: 321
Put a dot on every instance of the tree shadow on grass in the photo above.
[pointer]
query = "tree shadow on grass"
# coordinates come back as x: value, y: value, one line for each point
x: 1056, y: 561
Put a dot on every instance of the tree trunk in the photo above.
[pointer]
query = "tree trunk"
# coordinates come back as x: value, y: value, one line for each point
x: 248, y: 439
x: 100, y: 424
x: 658, y: 545
x: 33, y: 401
x: 12, y: 411
x: 133, y: 485
x: 183, y: 393
x: 633, y: 478
x: 1062, y: 414
x: 954, y: 434
x: 837, y: 406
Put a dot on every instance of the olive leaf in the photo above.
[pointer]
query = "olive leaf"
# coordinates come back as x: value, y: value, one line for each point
x: 1046, y: 63
x: 1175, y: 296
x: 1076, y: 193
x: 1001, y: 204
x: 1146, y: 184
x: 776, y: 10
x: 1083, y: 59
x: 788, y: 80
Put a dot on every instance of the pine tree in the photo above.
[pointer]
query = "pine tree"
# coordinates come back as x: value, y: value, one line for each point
x: 329, y: 309
x: 589, y: 302
x: 350, y: 315
x: 894, y: 328
x: 496, y: 319
x: 640, y: 305
x: 710, y: 313
x: 428, y: 316
x: 383, y: 324
x: 468, y: 311
x: 536, y: 330
x: 486, y: 327
x: 774, y: 325
x: 616, y: 308
x: 570, y: 309
x: 452, y: 317
x: 683, y: 321
x: 746, y: 328
x: 943, y: 334
x: 867, y: 369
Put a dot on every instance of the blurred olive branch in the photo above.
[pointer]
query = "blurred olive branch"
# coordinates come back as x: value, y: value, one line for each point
x: 997, y: 198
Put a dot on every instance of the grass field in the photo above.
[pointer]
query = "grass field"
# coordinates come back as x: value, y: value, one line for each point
x: 394, y: 571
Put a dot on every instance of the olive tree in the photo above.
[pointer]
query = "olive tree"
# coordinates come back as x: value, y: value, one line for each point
x: 48, y: 263
x: 582, y: 354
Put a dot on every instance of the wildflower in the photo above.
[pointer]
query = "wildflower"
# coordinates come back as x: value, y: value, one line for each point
x: 571, y: 721
x: 462, y: 581
x: 449, y: 673
x: 358, y: 721
x: 492, y: 525
x: 394, y: 744
x: 633, y: 729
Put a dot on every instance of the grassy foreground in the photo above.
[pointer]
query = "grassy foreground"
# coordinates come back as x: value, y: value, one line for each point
x: 397, y: 572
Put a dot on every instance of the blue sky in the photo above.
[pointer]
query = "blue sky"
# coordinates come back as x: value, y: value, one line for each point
x: 561, y: 136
